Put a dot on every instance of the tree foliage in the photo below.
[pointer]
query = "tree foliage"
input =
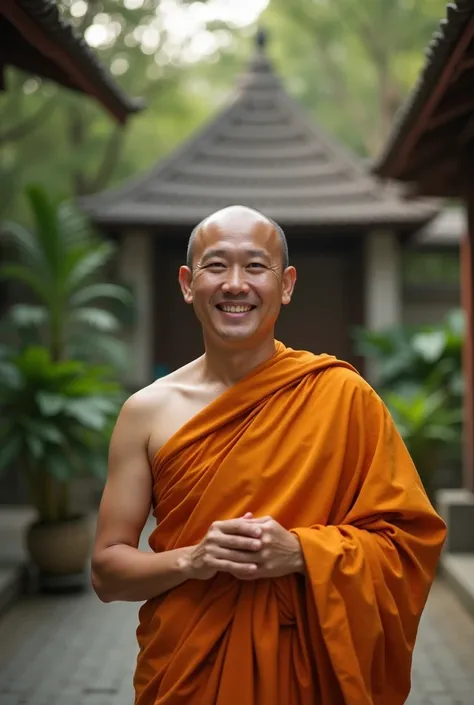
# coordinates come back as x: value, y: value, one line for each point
x: 350, y: 64
x: 353, y: 63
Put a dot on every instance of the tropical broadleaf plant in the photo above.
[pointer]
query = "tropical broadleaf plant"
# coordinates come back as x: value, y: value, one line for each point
x: 430, y: 356
x: 57, y: 417
x: 61, y: 267
x: 429, y: 427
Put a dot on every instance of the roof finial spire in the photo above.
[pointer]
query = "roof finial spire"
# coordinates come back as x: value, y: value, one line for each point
x: 261, y: 39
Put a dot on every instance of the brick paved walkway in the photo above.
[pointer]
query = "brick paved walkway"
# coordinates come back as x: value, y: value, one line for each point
x: 78, y: 651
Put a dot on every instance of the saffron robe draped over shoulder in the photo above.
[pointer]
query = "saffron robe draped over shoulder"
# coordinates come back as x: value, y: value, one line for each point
x: 304, y: 439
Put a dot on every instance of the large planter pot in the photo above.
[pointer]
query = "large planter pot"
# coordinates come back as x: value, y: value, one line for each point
x: 60, y: 552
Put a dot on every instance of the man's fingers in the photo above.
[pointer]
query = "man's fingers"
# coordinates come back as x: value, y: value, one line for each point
x: 243, y: 527
x: 235, y: 542
x: 260, y: 520
x: 228, y: 555
x: 242, y: 571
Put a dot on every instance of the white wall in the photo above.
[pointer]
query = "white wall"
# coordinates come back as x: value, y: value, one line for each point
x: 135, y: 264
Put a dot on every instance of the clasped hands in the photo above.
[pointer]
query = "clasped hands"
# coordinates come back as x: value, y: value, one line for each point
x: 248, y: 548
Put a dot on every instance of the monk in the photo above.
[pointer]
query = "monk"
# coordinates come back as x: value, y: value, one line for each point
x: 294, y: 546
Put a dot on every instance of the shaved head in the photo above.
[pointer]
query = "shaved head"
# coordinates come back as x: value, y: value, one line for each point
x: 225, y: 218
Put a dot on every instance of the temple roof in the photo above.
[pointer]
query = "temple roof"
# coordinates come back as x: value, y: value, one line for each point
x: 430, y: 147
x: 260, y: 151
x: 35, y: 38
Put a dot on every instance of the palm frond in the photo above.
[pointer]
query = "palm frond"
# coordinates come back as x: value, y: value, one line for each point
x: 74, y: 227
x: 23, y: 241
x: 92, y: 292
x: 89, y: 265
x: 100, y: 349
x: 28, y: 315
x: 26, y: 275
x: 46, y: 226
x: 96, y: 318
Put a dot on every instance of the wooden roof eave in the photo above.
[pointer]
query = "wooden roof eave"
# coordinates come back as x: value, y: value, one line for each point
x: 430, y: 123
x: 71, y: 58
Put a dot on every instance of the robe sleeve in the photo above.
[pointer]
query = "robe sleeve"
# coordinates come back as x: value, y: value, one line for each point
x: 368, y: 576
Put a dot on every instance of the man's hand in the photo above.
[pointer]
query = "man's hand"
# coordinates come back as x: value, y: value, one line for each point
x: 248, y: 548
x: 230, y: 546
x: 281, y: 552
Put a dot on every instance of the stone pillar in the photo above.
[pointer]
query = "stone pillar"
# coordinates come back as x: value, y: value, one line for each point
x: 383, y: 295
x: 136, y: 269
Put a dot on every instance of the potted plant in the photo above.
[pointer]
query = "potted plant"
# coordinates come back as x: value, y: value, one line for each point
x: 57, y: 418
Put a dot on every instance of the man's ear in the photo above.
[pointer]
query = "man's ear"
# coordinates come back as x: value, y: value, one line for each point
x: 185, y: 281
x: 289, y: 281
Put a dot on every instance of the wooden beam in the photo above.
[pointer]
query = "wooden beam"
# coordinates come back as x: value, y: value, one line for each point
x: 22, y: 55
x: 433, y: 100
x: 456, y: 102
x: 430, y: 152
x: 441, y: 177
x: 467, y: 291
x: 464, y: 66
x: 451, y: 114
x: 37, y: 37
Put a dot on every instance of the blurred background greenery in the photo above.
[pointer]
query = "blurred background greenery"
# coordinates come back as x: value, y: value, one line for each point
x: 349, y: 64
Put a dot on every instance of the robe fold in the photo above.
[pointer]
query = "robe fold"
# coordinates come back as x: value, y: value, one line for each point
x: 304, y: 439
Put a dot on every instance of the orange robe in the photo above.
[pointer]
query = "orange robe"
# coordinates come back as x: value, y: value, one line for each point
x: 304, y: 439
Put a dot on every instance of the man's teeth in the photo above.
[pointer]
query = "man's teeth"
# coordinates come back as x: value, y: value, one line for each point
x: 235, y: 309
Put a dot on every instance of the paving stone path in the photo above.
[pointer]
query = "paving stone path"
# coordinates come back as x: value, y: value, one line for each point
x: 78, y: 651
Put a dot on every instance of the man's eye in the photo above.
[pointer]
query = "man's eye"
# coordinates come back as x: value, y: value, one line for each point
x: 254, y: 265
x: 215, y: 265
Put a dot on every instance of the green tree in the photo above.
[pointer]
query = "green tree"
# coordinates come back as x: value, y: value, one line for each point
x: 353, y: 63
x: 83, y: 148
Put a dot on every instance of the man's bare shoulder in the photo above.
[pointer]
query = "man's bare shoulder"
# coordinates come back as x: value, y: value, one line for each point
x: 156, y: 395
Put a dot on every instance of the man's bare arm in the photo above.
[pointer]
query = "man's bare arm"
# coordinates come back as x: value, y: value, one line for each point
x: 120, y: 571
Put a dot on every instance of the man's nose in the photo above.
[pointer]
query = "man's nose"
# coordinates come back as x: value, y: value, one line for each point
x: 235, y: 282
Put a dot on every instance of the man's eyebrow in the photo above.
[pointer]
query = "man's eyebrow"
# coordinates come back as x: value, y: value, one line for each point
x: 257, y: 253
x: 225, y: 253
x: 213, y: 253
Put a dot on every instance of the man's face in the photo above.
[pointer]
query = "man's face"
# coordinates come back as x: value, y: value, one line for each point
x: 237, y: 284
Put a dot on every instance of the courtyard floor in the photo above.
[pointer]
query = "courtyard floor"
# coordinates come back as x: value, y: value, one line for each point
x: 78, y: 651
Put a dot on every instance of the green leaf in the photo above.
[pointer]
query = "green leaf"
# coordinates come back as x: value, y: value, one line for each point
x: 28, y: 315
x: 25, y: 275
x: 59, y: 467
x: 101, y: 348
x: 46, y: 222
x: 86, y: 413
x: 430, y: 346
x: 74, y: 227
x: 35, y: 362
x: 50, y: 404
x: 22, y: 240
x: 96, y: 318
x: 92, y: 292
x: 35, y: 447
x: 90, y: 264
x: 50, y: 433
x: 10, y: 375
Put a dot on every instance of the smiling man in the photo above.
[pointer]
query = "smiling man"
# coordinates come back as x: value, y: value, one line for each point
x: 295, y: 546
